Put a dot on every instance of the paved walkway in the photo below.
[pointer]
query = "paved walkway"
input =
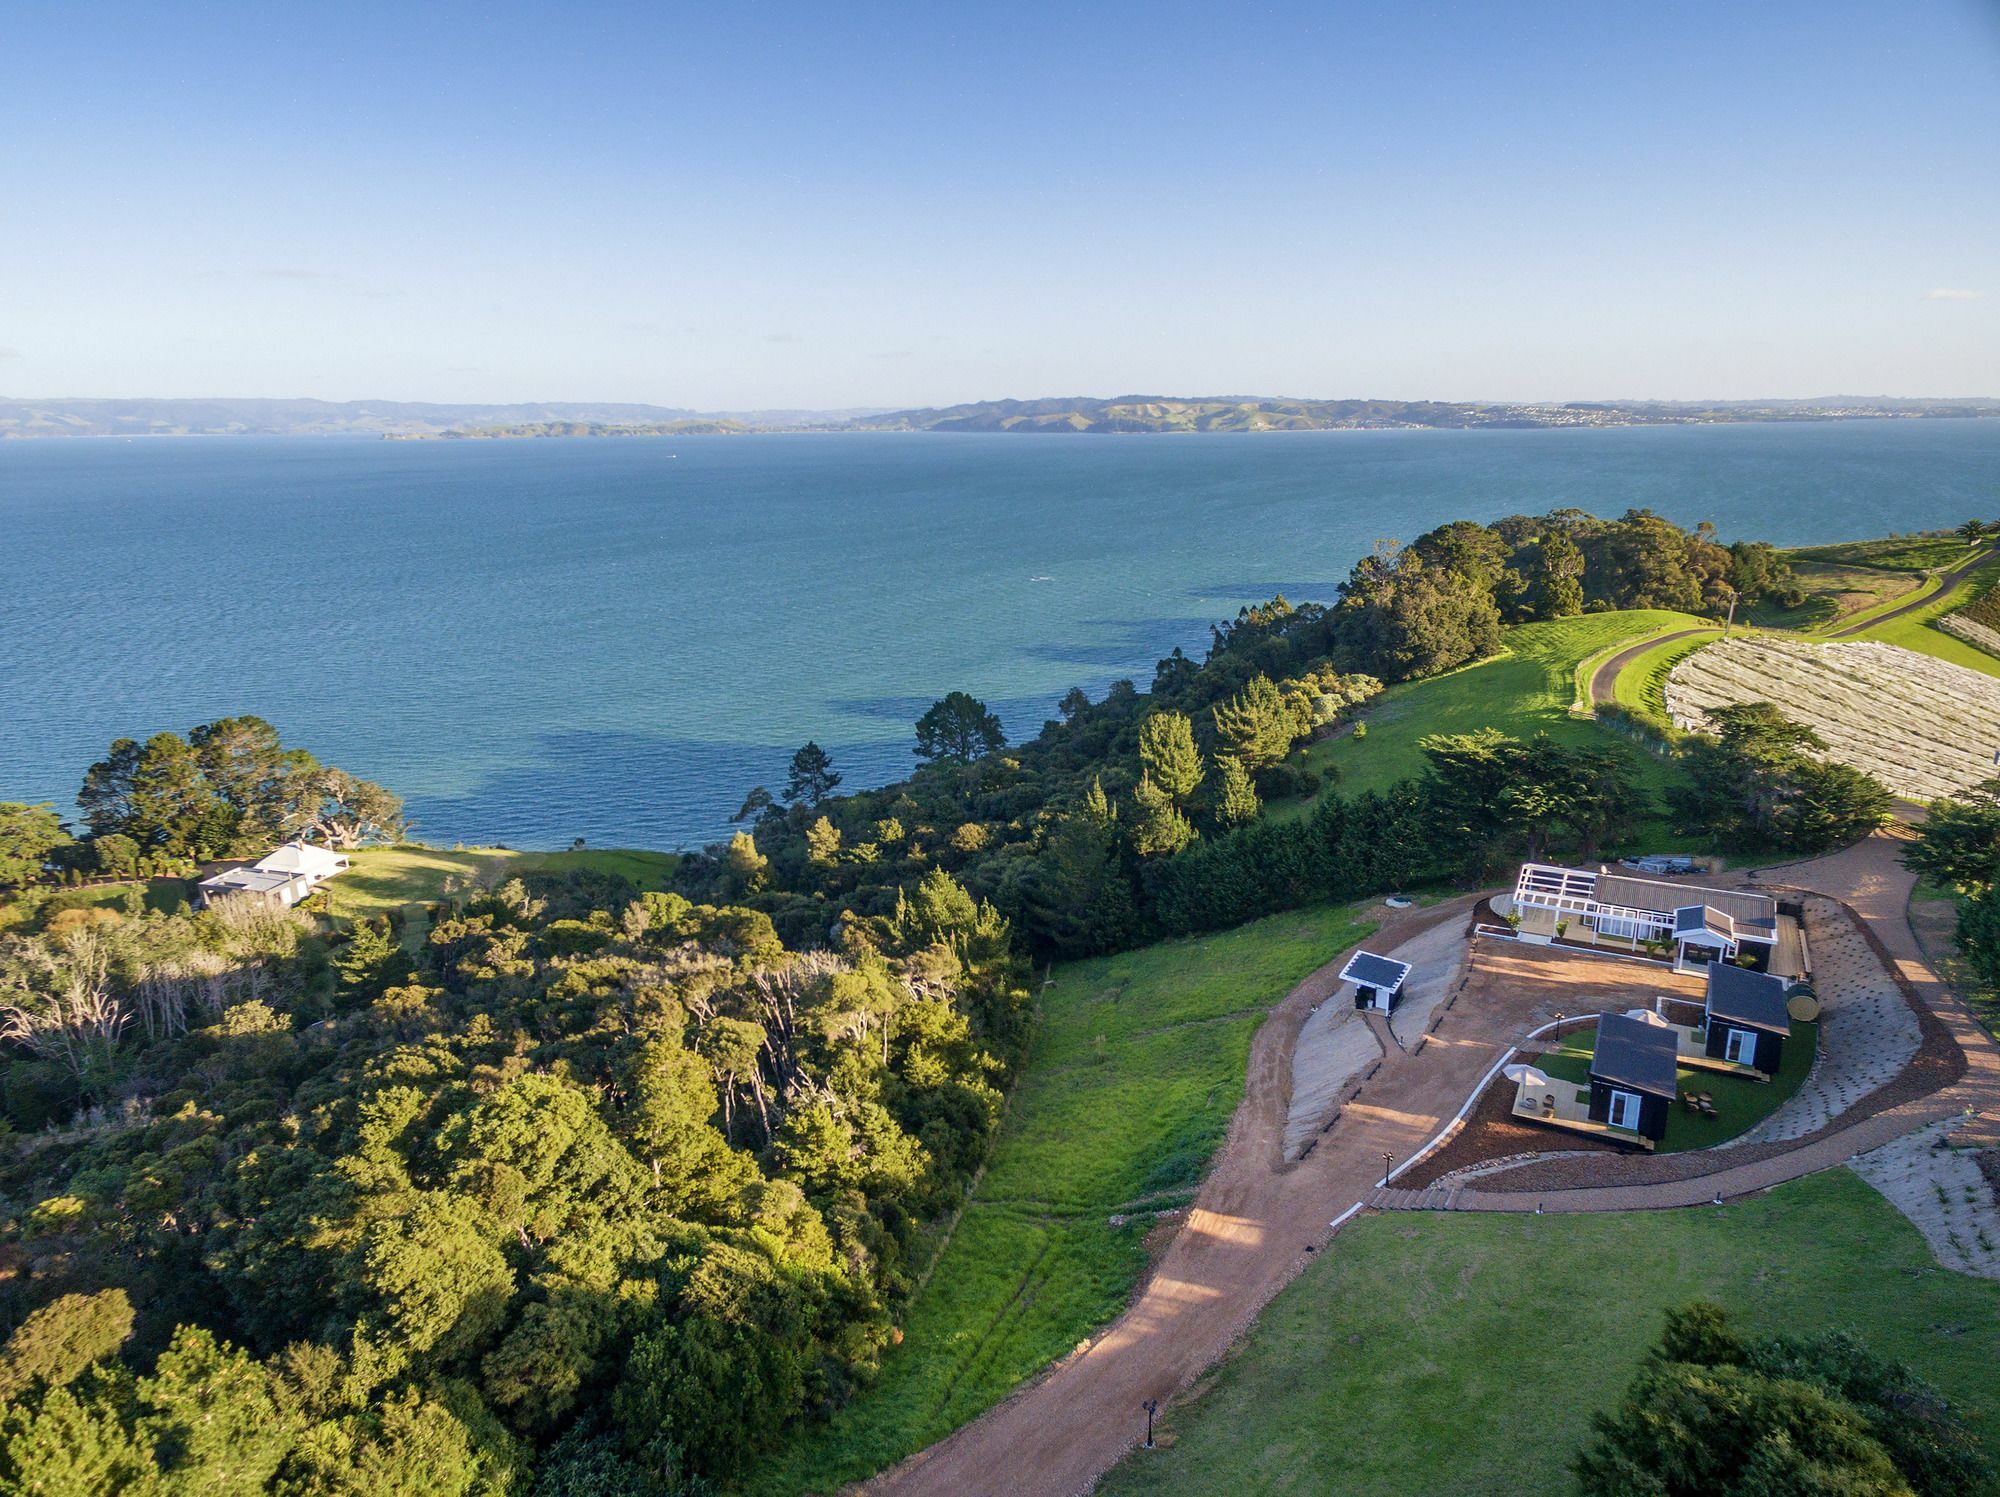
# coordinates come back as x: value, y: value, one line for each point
x: 1604, y: 680
x: 1943, y: 1193
x: 1867, y: 1033
x: 1257, y: 1219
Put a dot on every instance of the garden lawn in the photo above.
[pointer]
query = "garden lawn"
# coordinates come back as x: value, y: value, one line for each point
x: 1137, y: 1064
x: 1431, y: 1353
x: 385, y: 879
x: 1525, y: 691
x: 1740, y: 1103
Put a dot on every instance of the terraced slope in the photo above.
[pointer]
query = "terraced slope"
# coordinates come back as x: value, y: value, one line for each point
x: 1923, y: 726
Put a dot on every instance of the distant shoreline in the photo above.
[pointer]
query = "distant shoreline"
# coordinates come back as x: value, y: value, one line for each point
x: 1078, y: 416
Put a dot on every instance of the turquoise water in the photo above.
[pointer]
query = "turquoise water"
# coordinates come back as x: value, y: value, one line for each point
x: 536, y: 641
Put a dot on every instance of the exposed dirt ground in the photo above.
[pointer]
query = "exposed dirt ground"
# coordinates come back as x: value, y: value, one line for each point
x: 1258, y: 1219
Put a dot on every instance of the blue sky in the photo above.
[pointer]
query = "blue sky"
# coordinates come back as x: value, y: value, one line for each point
x: 777, y: 205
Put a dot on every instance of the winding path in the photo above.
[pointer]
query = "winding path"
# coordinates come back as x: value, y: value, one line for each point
x: 1950, y: 581
x: 1257, y: 1220
x: 1604, y: 680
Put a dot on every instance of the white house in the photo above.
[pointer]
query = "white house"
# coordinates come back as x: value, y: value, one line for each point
x: 1701, y: 925
x: 282, y: 877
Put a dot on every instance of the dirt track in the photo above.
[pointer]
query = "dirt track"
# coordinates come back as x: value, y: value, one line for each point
x: 1257, y: 1220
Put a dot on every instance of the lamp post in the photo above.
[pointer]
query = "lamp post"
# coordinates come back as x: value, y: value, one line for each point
x: 1151, y: 1406
x: 1387, y: 1160
x: 1559, y: 1025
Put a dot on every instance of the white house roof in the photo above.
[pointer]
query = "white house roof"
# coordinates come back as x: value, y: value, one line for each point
x: 303, y: 857
x: 248, y: 881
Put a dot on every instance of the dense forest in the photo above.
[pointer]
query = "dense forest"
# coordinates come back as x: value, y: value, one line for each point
x: 601, y: 1187
x: 1137, y: 814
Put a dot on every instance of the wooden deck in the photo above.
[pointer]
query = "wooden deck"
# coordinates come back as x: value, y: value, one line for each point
x: 1564, y: 1104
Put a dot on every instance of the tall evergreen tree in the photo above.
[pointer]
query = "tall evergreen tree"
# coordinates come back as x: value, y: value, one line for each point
x: 1167, y: 750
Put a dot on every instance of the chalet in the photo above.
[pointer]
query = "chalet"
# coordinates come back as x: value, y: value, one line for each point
x: 280, y: 878
x: 1633, y: 1075
x: 1748, y: 1021
x: 1378, y: 981
x: 1700, y: 926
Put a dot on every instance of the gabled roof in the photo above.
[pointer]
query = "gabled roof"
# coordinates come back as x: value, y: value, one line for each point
x: 1636, y: 1055
x: 1694, y: 921
x: 303, y: 857
x: 1654, y: 894
x: 1754, y: 999
x: 1371, y: 971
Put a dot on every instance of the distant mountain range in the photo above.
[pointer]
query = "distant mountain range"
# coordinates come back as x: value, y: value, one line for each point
x: 1146, y: 413
x: 1129, y: 413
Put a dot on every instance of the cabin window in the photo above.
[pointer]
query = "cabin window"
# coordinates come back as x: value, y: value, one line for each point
x: 1625, y: 1110
x: 1740, y: 1047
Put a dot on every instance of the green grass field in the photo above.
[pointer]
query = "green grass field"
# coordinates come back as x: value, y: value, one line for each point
x: 1431, y: 1354
x: 388, y: 878
x: 1740, y: 1103
x: 1835, y: 594
x: 1528, y: 690
x: 1896, y: 553
x: 1136, y: 1067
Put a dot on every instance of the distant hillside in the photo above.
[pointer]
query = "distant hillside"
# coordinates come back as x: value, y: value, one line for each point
x: 297, y: 418
x: 1148, y: 413
x: 1128, y: 413
x: 694, y: 426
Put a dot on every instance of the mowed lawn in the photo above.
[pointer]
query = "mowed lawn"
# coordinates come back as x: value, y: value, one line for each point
x: 384, y: 879
x: 1527, y: 690
x: 1137, y: 1065
x: 1642, y: 684
x: 1432, y: 1354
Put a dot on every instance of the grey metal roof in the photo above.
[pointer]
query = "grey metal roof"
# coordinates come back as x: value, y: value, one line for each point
x: 1635, y: 1054
x: 1372, y: 971
x: 1697, y: 919
x: 1741, y: 996
x: 1652, y: 894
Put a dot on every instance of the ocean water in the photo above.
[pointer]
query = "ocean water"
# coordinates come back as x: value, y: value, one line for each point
x: 615, y: 639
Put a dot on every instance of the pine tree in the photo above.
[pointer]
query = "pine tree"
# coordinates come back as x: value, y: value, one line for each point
x: 813, y: 777
x: 1159, y: 829
x: 1236, y: 802
x: 1166, y: 748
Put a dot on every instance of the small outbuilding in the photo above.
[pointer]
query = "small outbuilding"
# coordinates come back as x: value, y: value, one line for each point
x: 1633, y: 1076
x: 1378, y: 980
x: 1748, y: 1019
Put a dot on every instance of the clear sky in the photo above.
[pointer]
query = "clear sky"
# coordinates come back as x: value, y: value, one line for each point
x: 771, y: 205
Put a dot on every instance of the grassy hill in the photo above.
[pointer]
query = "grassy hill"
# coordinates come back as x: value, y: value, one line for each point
x: 1463, y: 1353
x: 1138, y: 1064
x: 388, y: 878
x: 1526, y: 690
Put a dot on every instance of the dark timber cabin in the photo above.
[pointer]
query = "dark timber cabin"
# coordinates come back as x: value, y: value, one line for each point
x: 1633, y: 1077
x: 1378, y: 981
x: 1748, y: 1022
